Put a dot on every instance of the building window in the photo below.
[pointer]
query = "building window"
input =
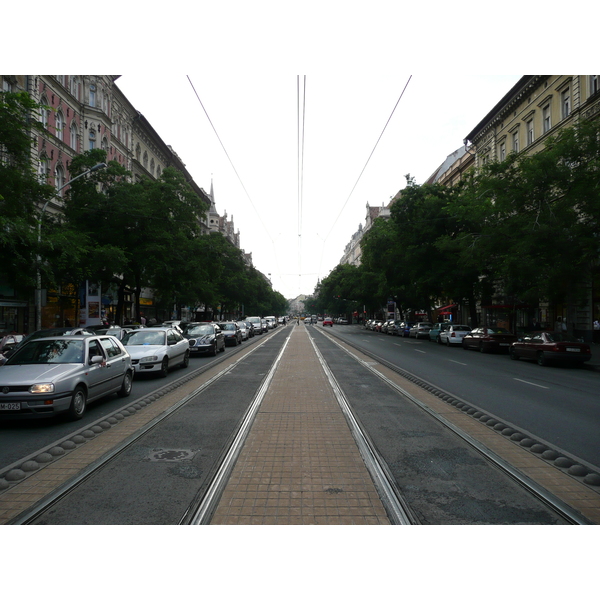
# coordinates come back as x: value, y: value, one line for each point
x: 59, y: 125
x: 152, y: 167
x: 145, y: 161
x: 44, y: 168
x: 502, y: 151
x: 158, y: 171
x: 73, y: 143
x: 565, y: 102
x: 6, y: 85
x: 515, y: 141
x: 104, y: 144
x: 530, y: 136
x: 546, y: 121
x: 92, y: 139
x: 594, y: 84
x: 59, y: 179
x: 92, y: 95
x: 138, y: 152
x: 44, y: 111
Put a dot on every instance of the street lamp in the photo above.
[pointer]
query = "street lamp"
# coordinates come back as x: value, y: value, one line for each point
x: 38, y: 291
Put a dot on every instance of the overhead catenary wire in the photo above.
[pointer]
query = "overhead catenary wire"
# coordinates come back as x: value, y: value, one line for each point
x: 362, y: 171
x: 301, y: 119
x: 370, y: 156
x: 234, y: 170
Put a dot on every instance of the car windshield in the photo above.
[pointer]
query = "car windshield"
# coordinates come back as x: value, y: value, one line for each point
x: 493, y: 330
x: 41, y: 352
x: 229, y: 327
x: 561, y: 337
x: 460, y: 328
x: 199, y: 330
x: 145, y: 337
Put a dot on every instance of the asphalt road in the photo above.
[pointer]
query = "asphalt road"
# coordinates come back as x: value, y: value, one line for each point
x: 555, y: 404
x: 20, y: 438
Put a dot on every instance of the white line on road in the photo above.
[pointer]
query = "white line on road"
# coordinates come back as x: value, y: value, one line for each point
x: 459, y: 363
x: 421, y: 351
x: 529, y: 383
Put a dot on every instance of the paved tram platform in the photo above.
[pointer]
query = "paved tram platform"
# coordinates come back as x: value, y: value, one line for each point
x: 300, y: 463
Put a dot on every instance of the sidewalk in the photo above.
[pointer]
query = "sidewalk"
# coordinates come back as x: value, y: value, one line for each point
x: 300, y: 463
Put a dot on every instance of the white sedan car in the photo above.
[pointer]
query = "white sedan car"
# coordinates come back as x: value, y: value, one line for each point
x: 454, y: 334
x: 157, y: 349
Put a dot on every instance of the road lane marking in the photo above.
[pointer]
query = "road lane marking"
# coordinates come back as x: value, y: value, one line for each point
x: 421, y: 351
x: 529, y: 383
x: 458, y: 363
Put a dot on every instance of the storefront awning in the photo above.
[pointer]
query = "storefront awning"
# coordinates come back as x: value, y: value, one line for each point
x: 446, y: 308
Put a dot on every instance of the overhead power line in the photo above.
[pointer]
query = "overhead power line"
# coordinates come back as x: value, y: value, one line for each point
x: 234, y: 170
x: 368, y: 159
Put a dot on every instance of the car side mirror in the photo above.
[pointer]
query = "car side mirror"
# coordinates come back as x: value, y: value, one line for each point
x: 95, y: 360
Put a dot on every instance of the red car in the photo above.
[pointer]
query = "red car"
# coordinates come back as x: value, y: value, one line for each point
x: 328, y: 321
x: 485, y: 339
x: 548, y: 346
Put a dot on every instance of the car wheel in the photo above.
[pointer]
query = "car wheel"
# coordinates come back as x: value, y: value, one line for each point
x: 222, y: 348
x: 78, y: 403
x: 448, y: 342
x: 164, y: 367
x: 482, y: 348
x: 465, y: 346
x: 438, y: 339
x: 541, y: 360
x: 186, y: 360
x: 513, y: 354
x: 126, y: 386
x: 214, y: 352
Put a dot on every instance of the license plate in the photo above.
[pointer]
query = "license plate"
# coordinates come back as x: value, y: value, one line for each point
x: 573, y: 350
x: 10, y: 406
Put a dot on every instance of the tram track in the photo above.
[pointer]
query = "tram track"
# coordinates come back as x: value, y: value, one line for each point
x: 32, y: 513
x: 535, y: 489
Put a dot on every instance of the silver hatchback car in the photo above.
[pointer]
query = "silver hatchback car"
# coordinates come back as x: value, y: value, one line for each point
x: 48, y: 376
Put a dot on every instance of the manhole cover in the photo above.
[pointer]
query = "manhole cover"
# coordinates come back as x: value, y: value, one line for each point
x: 174, y: 455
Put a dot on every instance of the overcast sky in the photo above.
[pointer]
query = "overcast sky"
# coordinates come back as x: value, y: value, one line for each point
x: 297, y: 205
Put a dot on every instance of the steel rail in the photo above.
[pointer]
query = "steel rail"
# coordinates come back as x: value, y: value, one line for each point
x: 37, y: 509
x: 202, y: 508
x: 535, y: 489
x: 398, y: 510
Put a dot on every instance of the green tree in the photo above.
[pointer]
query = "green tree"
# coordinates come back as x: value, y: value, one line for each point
x: 21, y: 192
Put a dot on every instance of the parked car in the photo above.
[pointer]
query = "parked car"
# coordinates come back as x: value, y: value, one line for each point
x: 327, y: 322
x: 405, y: 327
x: 232, y: 333
x: 271, y: 322
x: 250, y: 328
x: 7, y: 345
x: 204, y: 338
x: 243, y: 330
x: 420, y: 330
x: 343, y: 321
x: 385, y: 325
x: 257, y: 324
x: 157, y: 349
x: 454, y: 334
x: 548, y: 346
x: 51, y: 375
x: 434, y: 332
x: 485, y: 339
x: 264, y: 325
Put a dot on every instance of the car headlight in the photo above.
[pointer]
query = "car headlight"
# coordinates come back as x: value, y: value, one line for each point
x: 149, y: 359
x: 42, y: 388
